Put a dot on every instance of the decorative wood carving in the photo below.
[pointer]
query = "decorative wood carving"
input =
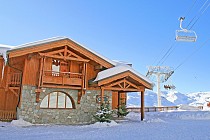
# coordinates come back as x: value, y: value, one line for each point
x: 79, y: 96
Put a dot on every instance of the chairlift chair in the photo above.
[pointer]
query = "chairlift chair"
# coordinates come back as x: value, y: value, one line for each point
x: 169, y: 87
x: 184, y: 34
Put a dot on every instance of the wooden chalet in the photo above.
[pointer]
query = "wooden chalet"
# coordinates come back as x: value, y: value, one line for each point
x: 59, y: 81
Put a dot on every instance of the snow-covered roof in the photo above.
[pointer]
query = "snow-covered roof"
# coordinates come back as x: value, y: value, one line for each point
x: 6, y: 46
x: 49, y: 40
x: 117, y: 70
x: 118, y: 62
x: 4, y: 49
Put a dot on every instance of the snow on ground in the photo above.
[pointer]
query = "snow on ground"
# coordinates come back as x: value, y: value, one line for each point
x: 179, y: 125
x: 21, y: 123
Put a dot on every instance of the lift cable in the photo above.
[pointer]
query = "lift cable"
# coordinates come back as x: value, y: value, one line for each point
x: 171, y: 49
x: 190, y: 8
x: 197, y: 14
x: 189, y: 56
x: 200, y: 16
x: 166, y: 53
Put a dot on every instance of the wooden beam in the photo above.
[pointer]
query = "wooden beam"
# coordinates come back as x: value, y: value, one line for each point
x: 44, y: 61
x: 89, y: 54
x: 85, y: 76
x: 55, y: 52
x: 142, y: 105
x: 65, y: 51
x: 79, y: 97
x: 102, y: 95
x: 40, y: 71
x: 57, y: 86
x: 62, y: 57
x: 55, y: 44
x: 13, y: 91
x: 123, y: 75
x: 37, y: 48
x: 118, y: 104
x: 141, y: 88
x: 131, y: 84
x: 74, y: 54
x: 115, y: 83
x: 121, y: 89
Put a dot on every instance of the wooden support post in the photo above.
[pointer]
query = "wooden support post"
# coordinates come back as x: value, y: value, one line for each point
x: 142, y: 105
x: 102, y: 95
x: 65, y: 53
x: 85, y: 86
x: 8, y: 75
x: 40, y: 71
x: 37, y: 97
x: 79, y: 96
x: 43, y: 65
x: 118, y: 106
x: 37, y: 91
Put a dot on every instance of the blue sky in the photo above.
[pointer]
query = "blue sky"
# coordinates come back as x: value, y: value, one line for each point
x: 137, y: 31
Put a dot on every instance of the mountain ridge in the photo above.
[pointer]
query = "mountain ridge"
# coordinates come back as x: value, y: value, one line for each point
x: 169, y: 98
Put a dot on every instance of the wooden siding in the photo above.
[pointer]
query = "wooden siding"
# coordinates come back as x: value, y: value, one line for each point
x: 91, y: 72
x: 48, y: 64
x: 65, y: 42
x: 74, y: 67
x: 30, y: 73
x: 114, y: 99
x: 8, y: 100
x: 1, y: 68
x: 118, y: 98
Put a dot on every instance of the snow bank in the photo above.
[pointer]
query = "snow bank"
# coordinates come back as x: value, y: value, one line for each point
x: 156, y: 120
x: 103, y: 124
x: 152, y: 117
x: 21, y: 123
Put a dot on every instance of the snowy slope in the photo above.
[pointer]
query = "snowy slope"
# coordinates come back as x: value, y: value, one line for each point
x: 133, y: 99
x: 170, y: 98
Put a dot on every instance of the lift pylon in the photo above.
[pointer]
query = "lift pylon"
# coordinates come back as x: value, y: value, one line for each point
x: 162, y: 74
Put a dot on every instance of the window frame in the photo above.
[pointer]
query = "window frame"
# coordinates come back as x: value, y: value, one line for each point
x: 57, y: 101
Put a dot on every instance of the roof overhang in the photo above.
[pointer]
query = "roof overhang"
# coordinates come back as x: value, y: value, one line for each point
x: 51, y: 43
x: 133, y: 78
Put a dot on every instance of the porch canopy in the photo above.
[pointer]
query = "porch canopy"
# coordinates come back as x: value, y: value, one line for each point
x: 124, y: 78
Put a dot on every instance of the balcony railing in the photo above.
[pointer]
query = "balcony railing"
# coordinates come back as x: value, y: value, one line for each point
x: 7, y: 115
x: 14, y: 79
x: 62, y: 78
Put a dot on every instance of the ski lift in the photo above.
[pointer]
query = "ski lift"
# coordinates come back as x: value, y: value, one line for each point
x: 169, y: 87
x: 184, y: 34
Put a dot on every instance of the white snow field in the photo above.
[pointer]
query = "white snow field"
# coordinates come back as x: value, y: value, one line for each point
x: 179, y: 125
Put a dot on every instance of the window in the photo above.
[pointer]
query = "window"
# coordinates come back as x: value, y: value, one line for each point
x: 55, y: 67
x: 57, y: 100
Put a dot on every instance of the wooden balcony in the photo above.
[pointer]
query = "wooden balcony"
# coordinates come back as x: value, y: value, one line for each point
x: 62, y: 78
x: 14, y: 79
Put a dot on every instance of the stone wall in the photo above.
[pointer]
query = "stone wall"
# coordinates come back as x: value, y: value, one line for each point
x: 82, y: 114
